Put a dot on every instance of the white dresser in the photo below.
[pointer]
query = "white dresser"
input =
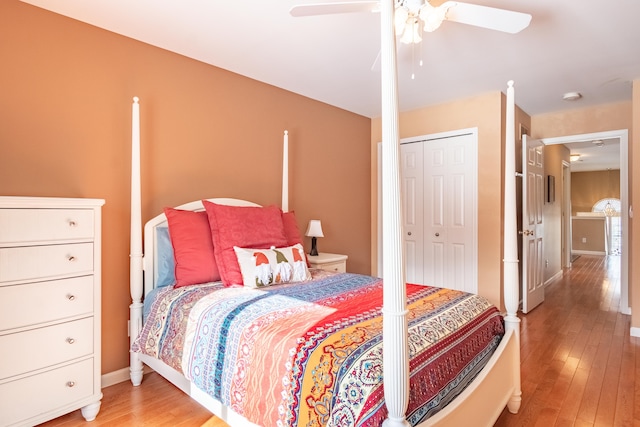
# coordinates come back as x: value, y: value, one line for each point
x: 50, y: 271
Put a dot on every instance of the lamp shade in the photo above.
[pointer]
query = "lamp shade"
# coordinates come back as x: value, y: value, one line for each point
x: 314, y: 229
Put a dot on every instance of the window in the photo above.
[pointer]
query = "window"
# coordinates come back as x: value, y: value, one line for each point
x: 611, y: 208
x: 601, y: 206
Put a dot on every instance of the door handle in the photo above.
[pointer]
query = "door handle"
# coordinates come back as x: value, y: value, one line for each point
x: 527, y: 232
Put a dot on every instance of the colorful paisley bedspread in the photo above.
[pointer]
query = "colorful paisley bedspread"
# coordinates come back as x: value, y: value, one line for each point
x: 310, y: 354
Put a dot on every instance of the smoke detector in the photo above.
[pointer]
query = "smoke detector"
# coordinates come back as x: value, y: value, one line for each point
x: 572, y: 96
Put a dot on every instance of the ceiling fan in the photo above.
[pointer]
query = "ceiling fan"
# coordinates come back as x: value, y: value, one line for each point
x: 411, y: 15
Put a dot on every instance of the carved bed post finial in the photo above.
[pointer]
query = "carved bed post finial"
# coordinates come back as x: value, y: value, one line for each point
x: 135, y: 268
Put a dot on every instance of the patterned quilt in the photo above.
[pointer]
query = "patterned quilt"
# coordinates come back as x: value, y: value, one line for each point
x: 310, y: 354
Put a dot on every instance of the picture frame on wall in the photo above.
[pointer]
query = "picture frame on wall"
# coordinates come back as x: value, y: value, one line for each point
x: 551, y: 188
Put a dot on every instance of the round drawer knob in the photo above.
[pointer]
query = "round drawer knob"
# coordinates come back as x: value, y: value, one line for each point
x: 72, y: 223
x: 71, y: 297
x: 71, y: 258
x: 71, y: 384
x: 70, y: 340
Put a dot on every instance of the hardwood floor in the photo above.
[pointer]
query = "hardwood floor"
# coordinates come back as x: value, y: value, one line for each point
x: 155, y: 403
x: 579, y: 365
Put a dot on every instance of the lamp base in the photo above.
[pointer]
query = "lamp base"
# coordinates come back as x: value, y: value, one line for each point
x: 314, y: 249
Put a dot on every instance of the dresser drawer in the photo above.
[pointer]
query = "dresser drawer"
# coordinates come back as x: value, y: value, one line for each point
x: 41, y: 393
x: 336, y: 267
x: 39, y: 225
x: 38, y: 262
x: 39, y: 348
x: 33, y: 303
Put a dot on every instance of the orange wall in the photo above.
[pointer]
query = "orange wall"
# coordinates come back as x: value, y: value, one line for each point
x: 588, y: 234
x: 486, y: 112
x: 554, y: 155
x: 65, y: 130
x: 589, y: 187
x: 578, y: 121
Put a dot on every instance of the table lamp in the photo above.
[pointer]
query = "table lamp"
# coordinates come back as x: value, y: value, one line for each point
x: 314, y: 231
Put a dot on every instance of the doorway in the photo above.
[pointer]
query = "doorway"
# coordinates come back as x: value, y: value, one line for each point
x: 623, y: 136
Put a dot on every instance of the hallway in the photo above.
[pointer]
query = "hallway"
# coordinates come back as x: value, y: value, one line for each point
x: 579, y: 364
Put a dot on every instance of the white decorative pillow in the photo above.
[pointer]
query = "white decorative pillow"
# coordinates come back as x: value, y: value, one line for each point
x: 265, y: 267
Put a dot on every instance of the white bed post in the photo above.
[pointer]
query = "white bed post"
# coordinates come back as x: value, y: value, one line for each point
x: 511, y: 277
x: 285, y: 172
x: 135, y: 269
x: 395, y: 350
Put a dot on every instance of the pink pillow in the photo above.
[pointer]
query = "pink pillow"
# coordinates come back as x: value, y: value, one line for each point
x: 245, y: 227
x: 192, y: 247
x: 292, y: 232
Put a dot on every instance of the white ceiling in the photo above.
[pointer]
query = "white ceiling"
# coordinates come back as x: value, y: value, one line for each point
x: 591, y: 46
x: 588, y: 46
x: 595, y: 155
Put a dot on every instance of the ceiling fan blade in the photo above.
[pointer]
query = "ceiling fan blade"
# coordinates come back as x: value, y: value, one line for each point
x: 331, y: 8
x: 487, y: 17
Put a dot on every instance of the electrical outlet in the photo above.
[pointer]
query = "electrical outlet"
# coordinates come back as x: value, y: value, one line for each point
x: 584, y: 240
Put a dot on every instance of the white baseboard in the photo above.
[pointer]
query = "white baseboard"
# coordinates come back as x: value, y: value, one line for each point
x: 635, y: 332
x: 558, y: 275
x: 120, y: 376
x: 578, y: 252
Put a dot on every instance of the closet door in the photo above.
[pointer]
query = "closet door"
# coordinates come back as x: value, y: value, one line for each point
x: 412, y: 166
x: 440, y: 193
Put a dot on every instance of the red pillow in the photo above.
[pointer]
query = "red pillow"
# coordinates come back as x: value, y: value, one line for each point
x: 245, y: 227
x: 291, y: 231
x: 192, y: 247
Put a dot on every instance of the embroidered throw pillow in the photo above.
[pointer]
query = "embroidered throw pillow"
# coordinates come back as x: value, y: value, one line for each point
x: 266, y: 267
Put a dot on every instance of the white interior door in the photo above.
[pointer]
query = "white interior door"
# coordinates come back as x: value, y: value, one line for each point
x: 412, y: 166
x: 532, y: 223
x: 440, y: 211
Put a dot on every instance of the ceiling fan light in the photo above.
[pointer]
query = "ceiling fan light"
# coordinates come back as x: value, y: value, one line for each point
x: 432, y: 16
x: 400, y: 17
x: 411, y: 32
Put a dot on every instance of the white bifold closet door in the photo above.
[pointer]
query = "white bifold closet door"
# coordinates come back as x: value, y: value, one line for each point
x: 440, y: 211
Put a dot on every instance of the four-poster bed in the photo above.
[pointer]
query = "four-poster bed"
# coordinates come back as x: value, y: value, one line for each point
x: 499, y: 376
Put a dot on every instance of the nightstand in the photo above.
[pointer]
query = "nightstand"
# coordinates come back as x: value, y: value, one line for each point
x: 329, y: 262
